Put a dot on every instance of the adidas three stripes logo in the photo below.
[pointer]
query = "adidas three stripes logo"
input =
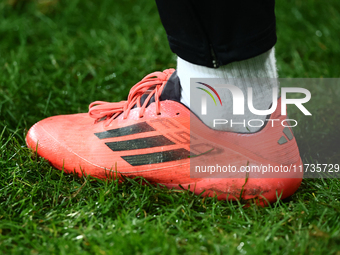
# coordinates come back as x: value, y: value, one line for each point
x: 142, y: 143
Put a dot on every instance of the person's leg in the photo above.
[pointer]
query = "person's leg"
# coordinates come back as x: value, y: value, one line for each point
x: 154, y: 135
x: 224, y: 39
x: 216, y: 33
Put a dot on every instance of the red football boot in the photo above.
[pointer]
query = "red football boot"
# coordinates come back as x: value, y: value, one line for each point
x: 149, y: 135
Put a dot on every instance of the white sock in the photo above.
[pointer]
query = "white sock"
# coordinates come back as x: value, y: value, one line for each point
x: 239, y: 74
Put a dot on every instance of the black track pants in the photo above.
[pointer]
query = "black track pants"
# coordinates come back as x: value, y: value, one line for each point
x: 217, y: 32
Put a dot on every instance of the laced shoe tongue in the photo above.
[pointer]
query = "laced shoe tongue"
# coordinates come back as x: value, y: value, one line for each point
x: 149, y: 87
x: 171, y: 91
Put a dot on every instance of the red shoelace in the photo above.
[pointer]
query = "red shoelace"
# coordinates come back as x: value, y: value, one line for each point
x: 151, y: 84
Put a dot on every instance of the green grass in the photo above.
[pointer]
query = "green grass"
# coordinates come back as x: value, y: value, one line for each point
x: 57, y: 57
